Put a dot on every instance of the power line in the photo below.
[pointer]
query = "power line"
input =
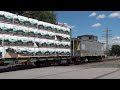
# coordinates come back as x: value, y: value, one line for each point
x: 107, y: 35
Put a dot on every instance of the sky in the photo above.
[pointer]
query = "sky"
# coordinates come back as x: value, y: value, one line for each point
x: 92, y: 23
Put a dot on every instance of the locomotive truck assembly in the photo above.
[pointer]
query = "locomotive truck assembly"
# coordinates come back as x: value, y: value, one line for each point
x: 29, y: 41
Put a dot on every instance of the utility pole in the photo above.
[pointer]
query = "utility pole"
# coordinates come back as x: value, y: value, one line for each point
x: 107, y: 35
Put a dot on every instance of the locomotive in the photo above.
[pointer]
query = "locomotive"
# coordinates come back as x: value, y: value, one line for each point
x: 87, y: 48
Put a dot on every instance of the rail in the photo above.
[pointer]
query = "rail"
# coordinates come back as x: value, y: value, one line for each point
x: 23, y: 67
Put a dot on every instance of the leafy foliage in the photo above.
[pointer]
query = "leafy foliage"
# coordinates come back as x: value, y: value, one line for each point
x: 115, y: 50
x: 46, y: 16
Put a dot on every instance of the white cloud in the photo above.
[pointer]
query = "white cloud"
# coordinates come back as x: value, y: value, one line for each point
x: 102, y: 16
x: 115, y: 15
x: 96, y: 25
x: 114, y: 41
x: 92, y: 14
x: 101, y: 40
x: 72, y: 26
x: 69, y: 26
x: 66, y: 25
x: 116, y: 38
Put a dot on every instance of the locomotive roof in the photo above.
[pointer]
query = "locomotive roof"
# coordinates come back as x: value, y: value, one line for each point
x: 87, y: 36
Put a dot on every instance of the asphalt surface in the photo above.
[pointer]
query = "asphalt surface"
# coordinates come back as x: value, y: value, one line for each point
x: 98, y: 70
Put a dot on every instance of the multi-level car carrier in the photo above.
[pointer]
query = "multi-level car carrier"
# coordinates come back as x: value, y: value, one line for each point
x: 26, y: 40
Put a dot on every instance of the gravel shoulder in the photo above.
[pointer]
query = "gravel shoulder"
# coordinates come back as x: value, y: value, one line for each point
x: 104, y: 64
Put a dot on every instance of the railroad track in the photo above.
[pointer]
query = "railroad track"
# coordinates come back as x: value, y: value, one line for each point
x: 111, y: 59
x: 23, y: 67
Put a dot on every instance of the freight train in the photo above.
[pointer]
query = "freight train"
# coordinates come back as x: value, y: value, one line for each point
x: 29, y: 41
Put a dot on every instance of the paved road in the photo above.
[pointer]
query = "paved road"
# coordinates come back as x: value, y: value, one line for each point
x: 101, y: 70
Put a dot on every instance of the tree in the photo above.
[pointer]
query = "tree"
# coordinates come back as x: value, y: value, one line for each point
x: 46, y: 16
x: 17, y: 12
x: 115, y: 50
x: 110, y: 53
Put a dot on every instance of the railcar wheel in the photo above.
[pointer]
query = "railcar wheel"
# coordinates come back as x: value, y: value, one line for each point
x: 37, y: 64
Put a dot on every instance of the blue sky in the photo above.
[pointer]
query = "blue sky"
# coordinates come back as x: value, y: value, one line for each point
x: 92, y: 22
